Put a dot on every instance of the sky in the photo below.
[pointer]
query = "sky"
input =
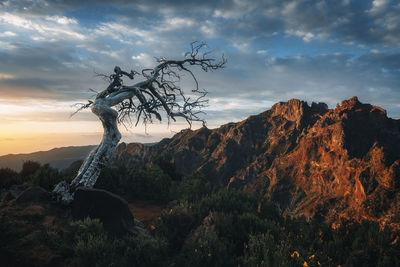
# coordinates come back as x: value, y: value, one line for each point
x: 276, y: 50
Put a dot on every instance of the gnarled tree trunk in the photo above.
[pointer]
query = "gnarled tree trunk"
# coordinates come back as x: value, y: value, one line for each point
x: 98, y: 157
x: 90, y: 169
x: 157, y: 91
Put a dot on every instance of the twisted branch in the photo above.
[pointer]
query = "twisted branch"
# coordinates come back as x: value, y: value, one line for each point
x: 158, y: 91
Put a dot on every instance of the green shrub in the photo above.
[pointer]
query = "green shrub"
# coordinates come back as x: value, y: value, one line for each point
x: 93, y: 250
x: 111, y: 179
x: 93, y: 247
x: 228, y: 201
x: 237, y: 228
x: 149, y: 183
x: 9, y: 232
x: 9, y: 177
x: 194, y: 187
x: 265, y: 250
x: 84, y: 228
x: 141, y: 250
x: 29, y: 167
x: 71, y: 171
x: 174, y: 227
x: 208, y: 250
x: 46, y: 177
x: 145, y: 183
x: 166, y: 164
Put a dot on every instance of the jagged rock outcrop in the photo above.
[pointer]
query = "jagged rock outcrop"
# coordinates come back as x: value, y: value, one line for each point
x: 341, y: 162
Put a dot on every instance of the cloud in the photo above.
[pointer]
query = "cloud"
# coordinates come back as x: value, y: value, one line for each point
x: 50, y: 28
x: 306, y: 36
x: 8, y: 34
x: 5, y: 76
x: 262, y: 52
x: 143, y: 60
x: 63, y: 20
x: 276, y: 50
x: 368, y: 22
x: 379, y: 6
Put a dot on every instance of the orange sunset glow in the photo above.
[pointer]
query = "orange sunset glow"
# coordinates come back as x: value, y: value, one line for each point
x: 28, y: 126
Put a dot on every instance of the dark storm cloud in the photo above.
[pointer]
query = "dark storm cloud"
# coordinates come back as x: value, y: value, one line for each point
x: 367, y: 22
x: 60, y: 62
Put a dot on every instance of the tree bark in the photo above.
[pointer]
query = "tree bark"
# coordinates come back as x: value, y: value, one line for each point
x: 98, y: 157
x: 90, y: 169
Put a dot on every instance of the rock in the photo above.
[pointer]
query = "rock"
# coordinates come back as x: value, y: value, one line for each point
x: 5, y: 197
x: 33, y: 194
x: 208, y: 225
x: 16, y: 189
x: 111, y: 209
x: 49, y: 221
x: 33, y: 210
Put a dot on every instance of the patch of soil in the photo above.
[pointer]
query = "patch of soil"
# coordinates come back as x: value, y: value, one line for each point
x: 146, y: 212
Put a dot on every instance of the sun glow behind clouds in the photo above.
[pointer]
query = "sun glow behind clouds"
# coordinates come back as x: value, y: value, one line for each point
x: 33, y: 125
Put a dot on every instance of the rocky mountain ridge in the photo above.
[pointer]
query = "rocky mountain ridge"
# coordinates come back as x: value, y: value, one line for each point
x: 309, y: 160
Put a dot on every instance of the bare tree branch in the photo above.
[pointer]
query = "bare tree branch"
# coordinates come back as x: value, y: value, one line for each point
x: 157, y: 92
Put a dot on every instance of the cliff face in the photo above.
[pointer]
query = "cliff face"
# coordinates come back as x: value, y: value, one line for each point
x: 309, y: 160
x: 345, y: 165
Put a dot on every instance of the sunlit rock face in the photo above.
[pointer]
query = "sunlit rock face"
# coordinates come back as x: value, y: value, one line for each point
x: 308, y: 159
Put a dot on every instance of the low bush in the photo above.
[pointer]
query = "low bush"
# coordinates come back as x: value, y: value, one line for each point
x: 208, y: 250
x: 93, y: 247
x: 194, y: 187
x: 228, y: 201
x: 174, y: 226
x: 9, y: 177
x: 29, y: 167
x: 46, y: 177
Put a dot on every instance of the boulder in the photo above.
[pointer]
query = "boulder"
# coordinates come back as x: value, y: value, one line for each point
x: 33, y: 210
x: 33, y: 194
x: 109, y: 208
x: 16, y: 189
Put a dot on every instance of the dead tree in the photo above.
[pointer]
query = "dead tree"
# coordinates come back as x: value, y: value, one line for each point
x: 157, y: 93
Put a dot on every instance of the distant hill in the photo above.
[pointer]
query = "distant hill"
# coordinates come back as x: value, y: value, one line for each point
x: 59, y: 158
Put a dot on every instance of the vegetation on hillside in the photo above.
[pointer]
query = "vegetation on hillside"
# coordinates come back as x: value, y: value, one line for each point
x: 203, y: 225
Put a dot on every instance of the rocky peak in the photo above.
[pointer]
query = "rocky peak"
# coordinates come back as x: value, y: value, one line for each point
x: 308, y: 159
x: 350, y: 103
x: 354, y: 105
x: 293, y: 110
x: 319, y: 107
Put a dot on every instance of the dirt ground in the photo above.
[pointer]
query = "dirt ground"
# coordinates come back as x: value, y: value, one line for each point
x: 146, y: 212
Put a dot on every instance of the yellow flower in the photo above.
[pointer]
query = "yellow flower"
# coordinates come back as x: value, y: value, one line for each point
x: 305, y: 264
x: 152, y: 227
x: 295, y: 254
x: 319, y: 264
x: 311, y: 257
